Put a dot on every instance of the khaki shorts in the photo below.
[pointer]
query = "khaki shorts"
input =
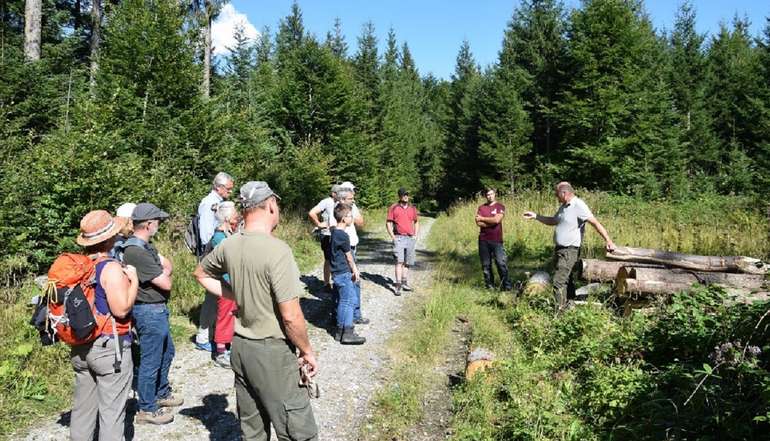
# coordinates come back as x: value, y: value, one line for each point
x: 403, y: 249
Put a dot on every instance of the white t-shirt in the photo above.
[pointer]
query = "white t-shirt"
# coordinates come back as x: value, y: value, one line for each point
x: 571, y: 219
x: 325, y: 209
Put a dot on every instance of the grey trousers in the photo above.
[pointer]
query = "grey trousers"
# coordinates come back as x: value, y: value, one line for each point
x: 267, y: 391
x: 99, y: 391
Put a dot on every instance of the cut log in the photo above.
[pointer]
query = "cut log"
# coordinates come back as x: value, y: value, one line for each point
x: 643, y: 289
x: 537, y: 283
x: 478, y: 360
x: 735, y: 264
x: 593, y: 270
x: 684, y: 277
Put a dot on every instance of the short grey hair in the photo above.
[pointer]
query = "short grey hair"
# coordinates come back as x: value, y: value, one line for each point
x: 221, y: 179
x: 342, y: 193
x: 564, y: 187
x: 225, y: 212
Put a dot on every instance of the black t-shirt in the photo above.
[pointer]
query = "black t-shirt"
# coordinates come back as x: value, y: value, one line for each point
x: 340, y: 245
x: 147, y: 263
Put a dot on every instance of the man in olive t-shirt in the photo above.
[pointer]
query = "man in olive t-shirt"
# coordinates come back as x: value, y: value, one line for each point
x: 270, y: 326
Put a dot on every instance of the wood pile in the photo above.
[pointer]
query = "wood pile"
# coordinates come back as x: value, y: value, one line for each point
x: 643, y: 275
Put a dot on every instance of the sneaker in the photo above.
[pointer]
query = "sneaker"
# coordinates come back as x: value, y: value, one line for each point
x: 170, y: 401
x: 160, y: 416
x: 361, y: 321
x: 398, y: 289
x: 405, y: 286
x: 203, y: 346
x: 223, y: 360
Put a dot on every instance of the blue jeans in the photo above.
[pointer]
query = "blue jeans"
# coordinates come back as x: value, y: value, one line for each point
x: 350, y: 295
x: 488, y: 251
x: 157, y: 352
x: 336, y: 295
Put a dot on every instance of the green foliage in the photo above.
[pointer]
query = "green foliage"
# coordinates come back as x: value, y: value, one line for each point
x: 695, y: 368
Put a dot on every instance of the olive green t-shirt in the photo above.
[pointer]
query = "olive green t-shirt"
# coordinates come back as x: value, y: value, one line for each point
x: 263, y: 273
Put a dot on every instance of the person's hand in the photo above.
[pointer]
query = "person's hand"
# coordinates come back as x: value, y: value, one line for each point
x: 478, y: 218
x: 610, y: 246
x: 530, y: 215
x: 130, y: 272
x: 308, y: 359
x: 356, y: 276
x: 323, y: 225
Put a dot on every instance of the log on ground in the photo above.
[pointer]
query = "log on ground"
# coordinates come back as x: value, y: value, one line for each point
x: 594, y: 270
x: 678, y: 276
x: 735, y: 264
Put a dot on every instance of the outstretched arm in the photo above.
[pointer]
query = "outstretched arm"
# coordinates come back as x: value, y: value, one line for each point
x: 609, y: 245
x: 547, y: 220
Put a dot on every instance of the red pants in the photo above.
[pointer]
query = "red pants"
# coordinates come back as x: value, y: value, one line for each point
x: 225, y: 320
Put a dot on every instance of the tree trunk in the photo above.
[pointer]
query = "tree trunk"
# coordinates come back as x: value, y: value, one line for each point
x: 667, y: 281
x: 738, y: 264
x: 96, y: 39
x: 206, y: 84
x: 33, y: 19
x: 594, y: 270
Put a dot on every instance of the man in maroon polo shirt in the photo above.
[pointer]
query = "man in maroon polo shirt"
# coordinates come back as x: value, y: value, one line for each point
x: 402, y: 226
x: 489, y: 218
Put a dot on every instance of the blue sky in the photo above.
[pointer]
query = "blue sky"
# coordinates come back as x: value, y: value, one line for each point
x: 434, y: 29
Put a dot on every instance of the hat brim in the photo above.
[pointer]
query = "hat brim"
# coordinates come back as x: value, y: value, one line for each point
x: 117, y: 224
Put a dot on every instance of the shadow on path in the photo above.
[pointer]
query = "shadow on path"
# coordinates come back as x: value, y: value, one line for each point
x: 222, y: 424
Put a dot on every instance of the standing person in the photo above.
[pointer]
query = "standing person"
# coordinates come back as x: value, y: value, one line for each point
x: 101, y: 390
x: 270, y: 326
x: 228, y: 219
x: 207, y: 224
x: 346, y: 195
x: 322, y: 216
x: 489, y: 218
x: 346, y: 275
x: 403, y: 225
x: 151, y: 315
x: 570, y: 220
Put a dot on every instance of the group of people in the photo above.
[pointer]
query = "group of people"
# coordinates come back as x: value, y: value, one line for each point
x: 569, y: 222
x: 252, y: 284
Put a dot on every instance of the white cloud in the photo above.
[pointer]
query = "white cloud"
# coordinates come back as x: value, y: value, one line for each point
x: 224, y: 26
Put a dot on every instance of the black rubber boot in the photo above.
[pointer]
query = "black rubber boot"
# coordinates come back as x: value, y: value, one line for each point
x: 349, y: 337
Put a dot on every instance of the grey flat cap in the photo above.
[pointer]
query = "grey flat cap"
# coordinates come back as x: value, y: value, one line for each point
x: 254, y: 192
x: 147, y: 211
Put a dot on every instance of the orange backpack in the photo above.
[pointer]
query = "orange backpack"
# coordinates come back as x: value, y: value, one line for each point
x: 71, y: 294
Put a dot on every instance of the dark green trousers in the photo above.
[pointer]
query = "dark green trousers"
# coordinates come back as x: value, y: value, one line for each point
x: 563, y: 276
x: 267, y: 391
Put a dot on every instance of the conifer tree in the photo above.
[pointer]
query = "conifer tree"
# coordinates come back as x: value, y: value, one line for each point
x: 335, y: 40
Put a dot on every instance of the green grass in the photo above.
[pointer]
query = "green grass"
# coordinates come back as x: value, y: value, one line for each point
x: 578, y: 376
x: 36, y: 381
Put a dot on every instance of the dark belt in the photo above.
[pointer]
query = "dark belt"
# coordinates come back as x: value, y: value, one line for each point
x: 558, y: 247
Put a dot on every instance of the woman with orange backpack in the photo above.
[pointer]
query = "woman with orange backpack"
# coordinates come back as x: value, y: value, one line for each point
x: 103, y: 366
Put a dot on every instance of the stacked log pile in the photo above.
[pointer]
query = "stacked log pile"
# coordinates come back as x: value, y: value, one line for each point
x: 642, y: 275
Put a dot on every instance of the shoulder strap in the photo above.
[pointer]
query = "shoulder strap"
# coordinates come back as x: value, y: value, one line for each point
x: 133, y: 242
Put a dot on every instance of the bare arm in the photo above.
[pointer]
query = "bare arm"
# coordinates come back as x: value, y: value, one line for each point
x: 120, y: 285
x: 389, y: 229
x: 547, y: 220
x: 163, y: 281
x: 313, y: 215
x: 296, y: 331
x: 359, y: 220
x: 491, y: 220
x: 352, y: 265
x: 609, y: 245
x: 212, y: 284
x: 416, y: 228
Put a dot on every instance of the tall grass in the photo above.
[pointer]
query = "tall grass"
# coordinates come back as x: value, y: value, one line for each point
x: 591, y: 374
x: 36, y: 381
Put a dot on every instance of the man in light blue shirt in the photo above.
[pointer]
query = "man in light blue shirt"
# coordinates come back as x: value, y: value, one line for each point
x: 207, y: 224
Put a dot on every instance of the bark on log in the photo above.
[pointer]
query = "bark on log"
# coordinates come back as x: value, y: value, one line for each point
x: 681, y: 276
x: 33, y: 18
x: 640, y: 289
x: 739, y: 264
x: 594, y: 270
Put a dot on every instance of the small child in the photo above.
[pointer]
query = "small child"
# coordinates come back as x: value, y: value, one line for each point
x: 345, y: 275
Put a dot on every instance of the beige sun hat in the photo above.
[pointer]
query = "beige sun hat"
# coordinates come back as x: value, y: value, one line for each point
x: 98, y: 226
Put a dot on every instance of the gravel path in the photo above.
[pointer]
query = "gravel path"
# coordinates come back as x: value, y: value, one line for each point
x: 349, y: 375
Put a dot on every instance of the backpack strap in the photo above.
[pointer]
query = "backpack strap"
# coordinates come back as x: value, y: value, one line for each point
x: 133, y: 242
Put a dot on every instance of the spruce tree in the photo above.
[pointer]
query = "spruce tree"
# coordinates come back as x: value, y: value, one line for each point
x: 335, y: 40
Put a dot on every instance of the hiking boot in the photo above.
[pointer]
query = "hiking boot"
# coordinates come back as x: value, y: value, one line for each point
x: 398, y: 289
x: 361, y: 321
x: 349, y: 337
x: 405, y: 286
x: 223, y: 360
x: 170, y: 401
x: 160, y: 416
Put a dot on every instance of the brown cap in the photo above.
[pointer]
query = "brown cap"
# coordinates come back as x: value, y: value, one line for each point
x: 98, y: 226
